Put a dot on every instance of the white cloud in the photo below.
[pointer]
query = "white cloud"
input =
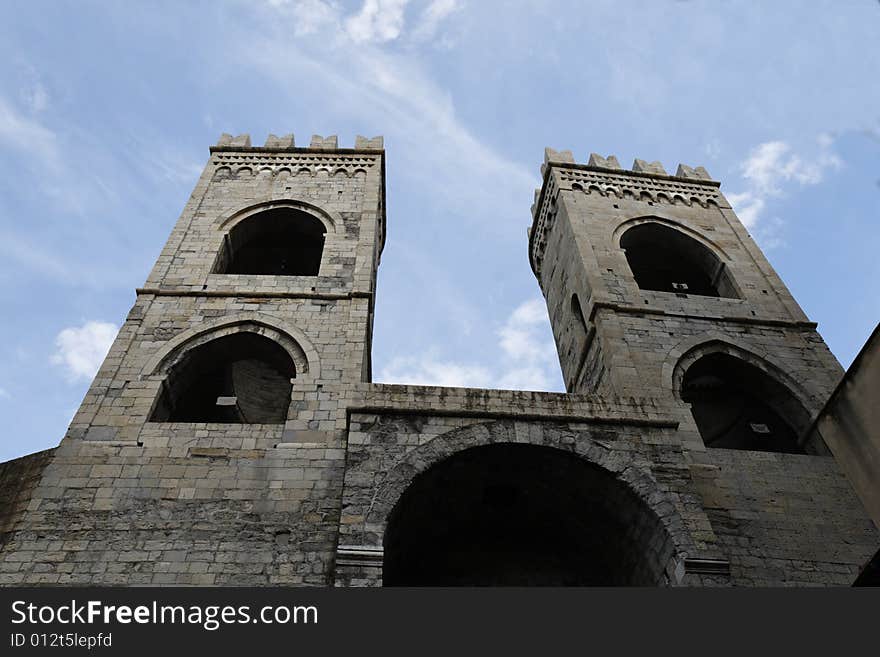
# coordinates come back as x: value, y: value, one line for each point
x: 434, y: 14
x: 309, y: 16
x: 386, y: 89
x: 378, y: 21
x: 520, y: 335
x: 428, y: 371
x: 747, y: 206
x: 375, y: 85
x: 528, y: 359
x: 773, y: 165
x: 81, y: 349
x: 4, y: 394
x: 525, y: 378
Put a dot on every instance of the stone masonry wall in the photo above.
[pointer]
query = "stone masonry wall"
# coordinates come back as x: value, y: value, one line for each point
x: 784, y: 519
x: 125, y: 501
x: 742, y: 508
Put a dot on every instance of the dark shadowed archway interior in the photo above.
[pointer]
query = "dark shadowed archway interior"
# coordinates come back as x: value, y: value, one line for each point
x: 522, y: 515
x: 238, y: 378
x: 738, y: 406
x: 667, y: 260
x: 280, y: 242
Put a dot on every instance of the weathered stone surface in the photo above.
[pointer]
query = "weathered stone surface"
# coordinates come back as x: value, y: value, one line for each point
x: 125, y: 500
x: 284, y: 141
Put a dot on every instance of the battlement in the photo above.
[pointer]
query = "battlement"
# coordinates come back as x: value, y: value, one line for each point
x: 610, y: 163
x: 287, y: 142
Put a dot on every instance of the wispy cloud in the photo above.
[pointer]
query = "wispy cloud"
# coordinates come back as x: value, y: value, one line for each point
x: 34, y: 257
x: 80, y: 350
x: 378, y: 21
x: 529, y: 352
x: 527, y: 359
x: 432, y: 16
x: 773, y: 166
x: 748, y: 206
x: 427, y: 370
x: 384, y: 88
x: 309, y: 16
x: 4, y: 393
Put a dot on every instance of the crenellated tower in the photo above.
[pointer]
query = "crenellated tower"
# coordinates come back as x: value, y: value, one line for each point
x: 264, y: 289
x: 646, y: 273
x: 209, y: 448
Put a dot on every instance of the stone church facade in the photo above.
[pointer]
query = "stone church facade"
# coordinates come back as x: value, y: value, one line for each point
x: 233, y: 436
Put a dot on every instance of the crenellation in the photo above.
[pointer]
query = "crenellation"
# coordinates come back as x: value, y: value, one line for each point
x: 696, y: 173
x: 285, y: 141
x: 240, y: 141
x: 553, y: 156
x: 324, y: 143
x: 609, y: 162
x: 643, y: 166
x: 369, y: 144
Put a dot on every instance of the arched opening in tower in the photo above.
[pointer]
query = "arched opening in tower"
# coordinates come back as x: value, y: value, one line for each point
x: 522, y: 515
x: 738, y: 406
x: 666, y: 260
x: 238, y: 378
x: 279, y: 242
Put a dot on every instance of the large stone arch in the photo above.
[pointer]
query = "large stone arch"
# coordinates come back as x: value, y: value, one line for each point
x: 670, y: 537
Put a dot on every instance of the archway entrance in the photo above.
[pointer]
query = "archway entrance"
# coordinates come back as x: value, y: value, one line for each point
x: 738, y: 406
x: 522, y: 515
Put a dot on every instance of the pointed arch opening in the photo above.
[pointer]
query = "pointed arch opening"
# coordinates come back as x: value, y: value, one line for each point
x: 281, y: 241
x: 238, y: 378
x: 736, y: 405
x: 666, y: 260
x: 512, y: 514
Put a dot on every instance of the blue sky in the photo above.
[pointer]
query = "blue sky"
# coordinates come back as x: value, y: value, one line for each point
x: 107, y: 111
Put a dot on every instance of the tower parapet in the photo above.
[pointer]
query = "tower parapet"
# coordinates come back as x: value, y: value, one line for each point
x: 287, y: 142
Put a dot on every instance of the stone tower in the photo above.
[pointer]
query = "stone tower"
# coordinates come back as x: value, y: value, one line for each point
x: 268, y: 279
x: 646, y: 273
x: 233, y: 436
x: 222, y: 402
